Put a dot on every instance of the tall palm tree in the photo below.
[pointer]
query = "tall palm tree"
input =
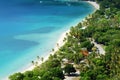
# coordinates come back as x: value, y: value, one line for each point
x: 33, y: 62
x: 38, y: 57
x: 42, y: 59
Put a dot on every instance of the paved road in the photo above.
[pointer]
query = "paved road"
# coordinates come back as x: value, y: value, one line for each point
x: 72, y: 77
x: 68, y: 78
x: 100, y: 48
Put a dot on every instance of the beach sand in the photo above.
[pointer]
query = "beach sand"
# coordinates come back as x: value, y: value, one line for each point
x: 94, y: 4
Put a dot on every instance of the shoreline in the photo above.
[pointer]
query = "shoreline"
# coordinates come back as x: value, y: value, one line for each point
x: 60, y: 42
x: 95, y: 4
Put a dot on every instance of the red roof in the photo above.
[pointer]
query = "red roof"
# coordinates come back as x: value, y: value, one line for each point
x: 85, y: 52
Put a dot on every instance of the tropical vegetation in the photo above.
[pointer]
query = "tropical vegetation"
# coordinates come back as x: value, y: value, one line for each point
x: 79, y: 53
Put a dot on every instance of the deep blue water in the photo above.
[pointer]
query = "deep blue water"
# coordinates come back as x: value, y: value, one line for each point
x: 31, y: 27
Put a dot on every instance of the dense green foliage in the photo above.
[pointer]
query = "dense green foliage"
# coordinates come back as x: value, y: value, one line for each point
x: 49, y: 70
x: 104, y: 28
x: 69, y: 69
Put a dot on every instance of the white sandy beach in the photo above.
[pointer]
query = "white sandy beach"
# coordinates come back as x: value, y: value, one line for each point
x: 60, y: 42
x: 94, y: 4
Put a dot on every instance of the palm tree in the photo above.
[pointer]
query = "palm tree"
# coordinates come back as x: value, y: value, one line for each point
x: 52, y: 50
x: 36, y: 63
x: 33, y: 62
x: 57, y: 45
x: 42, y: 59
x: 38, y: 57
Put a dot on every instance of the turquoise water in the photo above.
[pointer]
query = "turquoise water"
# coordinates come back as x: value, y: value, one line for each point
x: 31, y: 27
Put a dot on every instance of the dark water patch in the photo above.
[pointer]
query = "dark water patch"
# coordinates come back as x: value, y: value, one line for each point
x: 15, y: 44
x: 46, y: 29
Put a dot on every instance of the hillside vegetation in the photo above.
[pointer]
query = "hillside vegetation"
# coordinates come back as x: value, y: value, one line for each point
x: 80, y: 54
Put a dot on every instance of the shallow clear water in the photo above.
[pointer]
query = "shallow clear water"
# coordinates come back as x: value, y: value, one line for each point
x: 31, y: 27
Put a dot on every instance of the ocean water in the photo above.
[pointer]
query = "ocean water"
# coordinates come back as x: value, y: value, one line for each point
x: 29, y: 28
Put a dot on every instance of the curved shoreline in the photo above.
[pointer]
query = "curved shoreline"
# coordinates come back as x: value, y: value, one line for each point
x: 97, y: 7
x: 63, y: 35
x: 60, y: 41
